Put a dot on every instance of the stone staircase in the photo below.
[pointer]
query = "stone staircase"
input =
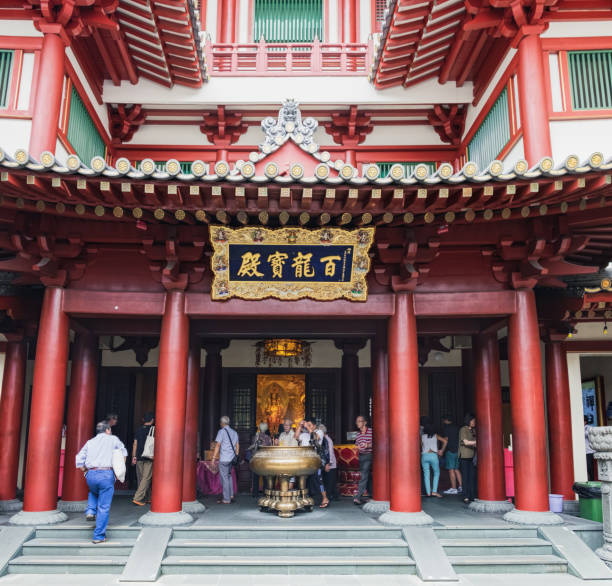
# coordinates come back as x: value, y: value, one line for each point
x: 272, y: 550
x: 372, y: 549
x: 507, y: 550
x: 69, y: 550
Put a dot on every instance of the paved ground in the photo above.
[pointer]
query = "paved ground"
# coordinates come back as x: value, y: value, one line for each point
x: 449, y: 511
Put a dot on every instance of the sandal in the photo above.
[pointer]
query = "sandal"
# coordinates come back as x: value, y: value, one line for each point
x: 324, y: 505
x: 357, y: 502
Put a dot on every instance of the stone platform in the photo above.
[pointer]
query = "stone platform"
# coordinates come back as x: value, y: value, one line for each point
x: 237, y: 544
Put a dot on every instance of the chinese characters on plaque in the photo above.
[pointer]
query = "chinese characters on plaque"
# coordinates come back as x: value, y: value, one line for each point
x: 290, y: 263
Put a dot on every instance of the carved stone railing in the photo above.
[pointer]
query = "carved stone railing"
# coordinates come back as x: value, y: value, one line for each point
x: 288, y: 59
x: 600, y: 439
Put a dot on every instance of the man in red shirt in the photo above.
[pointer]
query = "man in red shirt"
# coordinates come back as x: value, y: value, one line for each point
x: 363, y: 441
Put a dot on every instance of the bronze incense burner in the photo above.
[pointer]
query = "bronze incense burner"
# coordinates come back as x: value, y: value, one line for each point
x: 285, y: 463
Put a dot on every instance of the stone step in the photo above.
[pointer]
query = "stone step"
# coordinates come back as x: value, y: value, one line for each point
x: 479, y: 532
x: 86, y: 532
x: 78, y: 547
x: 287, y: 565
x: 284, y: 533
x: 280, y: 548
x: 506, y: 564
x: 65, y: 564
x: 497, y: 546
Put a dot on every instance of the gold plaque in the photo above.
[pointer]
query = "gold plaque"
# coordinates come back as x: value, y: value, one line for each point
x: 290, y: 263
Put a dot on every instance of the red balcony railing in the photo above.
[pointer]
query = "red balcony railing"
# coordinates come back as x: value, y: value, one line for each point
x: 288, y: 59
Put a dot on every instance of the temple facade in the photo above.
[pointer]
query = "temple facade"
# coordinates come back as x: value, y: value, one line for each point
x: 415, y: 197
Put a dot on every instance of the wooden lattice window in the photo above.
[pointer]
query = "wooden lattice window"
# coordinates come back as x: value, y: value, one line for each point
x: 242, y: 401
x: 318, y: 405
x: 493, y: 134
x: 288, y: 21
x: 590, y: 79
x: 378, y: 12
x: 409, y: 167
x: 6, y: 70
x: 82, y: 133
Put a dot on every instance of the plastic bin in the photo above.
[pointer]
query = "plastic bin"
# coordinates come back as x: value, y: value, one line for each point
x: 555, y: 503
x: 590, y: 500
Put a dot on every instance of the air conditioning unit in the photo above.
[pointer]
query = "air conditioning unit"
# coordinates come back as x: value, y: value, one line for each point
x: 462, y: 342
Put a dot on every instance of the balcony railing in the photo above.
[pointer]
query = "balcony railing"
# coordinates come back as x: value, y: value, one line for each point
x: 288, y: 59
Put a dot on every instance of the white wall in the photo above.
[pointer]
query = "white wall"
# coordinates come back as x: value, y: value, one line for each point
x: 18, y: 28
x: 14, y: 134
x: 575, y: 382
x: 595, y: 28
x: 245, y: 91
x: 580, y: 137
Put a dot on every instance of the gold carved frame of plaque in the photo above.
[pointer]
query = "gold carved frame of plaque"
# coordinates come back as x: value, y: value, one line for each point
x: 355, y: 289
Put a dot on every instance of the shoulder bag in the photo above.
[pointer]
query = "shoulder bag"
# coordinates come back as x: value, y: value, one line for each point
x: 149, y: 447
x: 235, y: 459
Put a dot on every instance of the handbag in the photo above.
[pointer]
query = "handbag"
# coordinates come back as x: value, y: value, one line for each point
x: 149, y: 447
x: 118, y: 461
x: 235, y: 459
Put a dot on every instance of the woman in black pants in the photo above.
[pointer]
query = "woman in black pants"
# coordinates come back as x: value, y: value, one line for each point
x: 467, y: 451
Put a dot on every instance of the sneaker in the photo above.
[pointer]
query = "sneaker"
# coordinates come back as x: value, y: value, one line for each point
x: 96, y: 541
x: 451, y: 491
x: 460, y: 490
x: 90, y: 517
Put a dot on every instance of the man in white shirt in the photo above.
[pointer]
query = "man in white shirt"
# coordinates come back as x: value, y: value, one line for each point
x: 96, y: 460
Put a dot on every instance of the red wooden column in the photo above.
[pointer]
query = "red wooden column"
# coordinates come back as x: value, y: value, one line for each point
x: 167, y: 492
x: 46, y: 415
x: 349, y: 20
x: 48, y: 101
x: 79, y: 419
x: 488, y: 400
x: 349, y: 384
x: 405, y: 490
x: 210, y: 408
x: 11, y: 409
x: 190, y: 446
x: 228, y: 16
x: 532, y: 99
x: 380, y: 426
x: 560, y: 449
x: 527, y: 405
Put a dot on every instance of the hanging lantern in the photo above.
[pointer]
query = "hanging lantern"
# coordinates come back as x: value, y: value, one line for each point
x: 282, y: 352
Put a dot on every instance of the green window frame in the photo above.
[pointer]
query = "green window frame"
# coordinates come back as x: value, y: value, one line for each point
x: 590, y: 74
x: 6, y: 74
x: 288, y: 21
x: 492, y: 135
x: 409, y: 166
x: 82, y: 133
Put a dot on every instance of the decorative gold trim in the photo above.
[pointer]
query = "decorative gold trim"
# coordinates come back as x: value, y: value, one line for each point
x: 356, y: 289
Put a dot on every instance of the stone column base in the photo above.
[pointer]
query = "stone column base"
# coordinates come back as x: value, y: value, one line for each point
x: 533, y: 517
x: 605, y: 554
x: 10, y: 506
x: 152, y: 519
x: 479, y: 506
x: 193, y: 507
x: 72, y: 506
x: 396, y: 518
x: 376, y: 507
x: 38, y: 518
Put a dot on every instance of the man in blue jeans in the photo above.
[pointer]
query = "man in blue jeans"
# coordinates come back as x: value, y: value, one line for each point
x: 96, y: 461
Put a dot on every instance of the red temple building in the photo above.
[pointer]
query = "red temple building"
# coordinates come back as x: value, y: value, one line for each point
x: 455, y: 158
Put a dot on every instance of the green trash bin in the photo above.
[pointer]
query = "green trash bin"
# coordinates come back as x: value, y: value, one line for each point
x: 589, y: 494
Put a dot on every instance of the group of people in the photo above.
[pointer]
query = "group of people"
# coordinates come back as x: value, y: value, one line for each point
x: 455, y: 448
x: 322, y: 484
x: 452, y: 446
